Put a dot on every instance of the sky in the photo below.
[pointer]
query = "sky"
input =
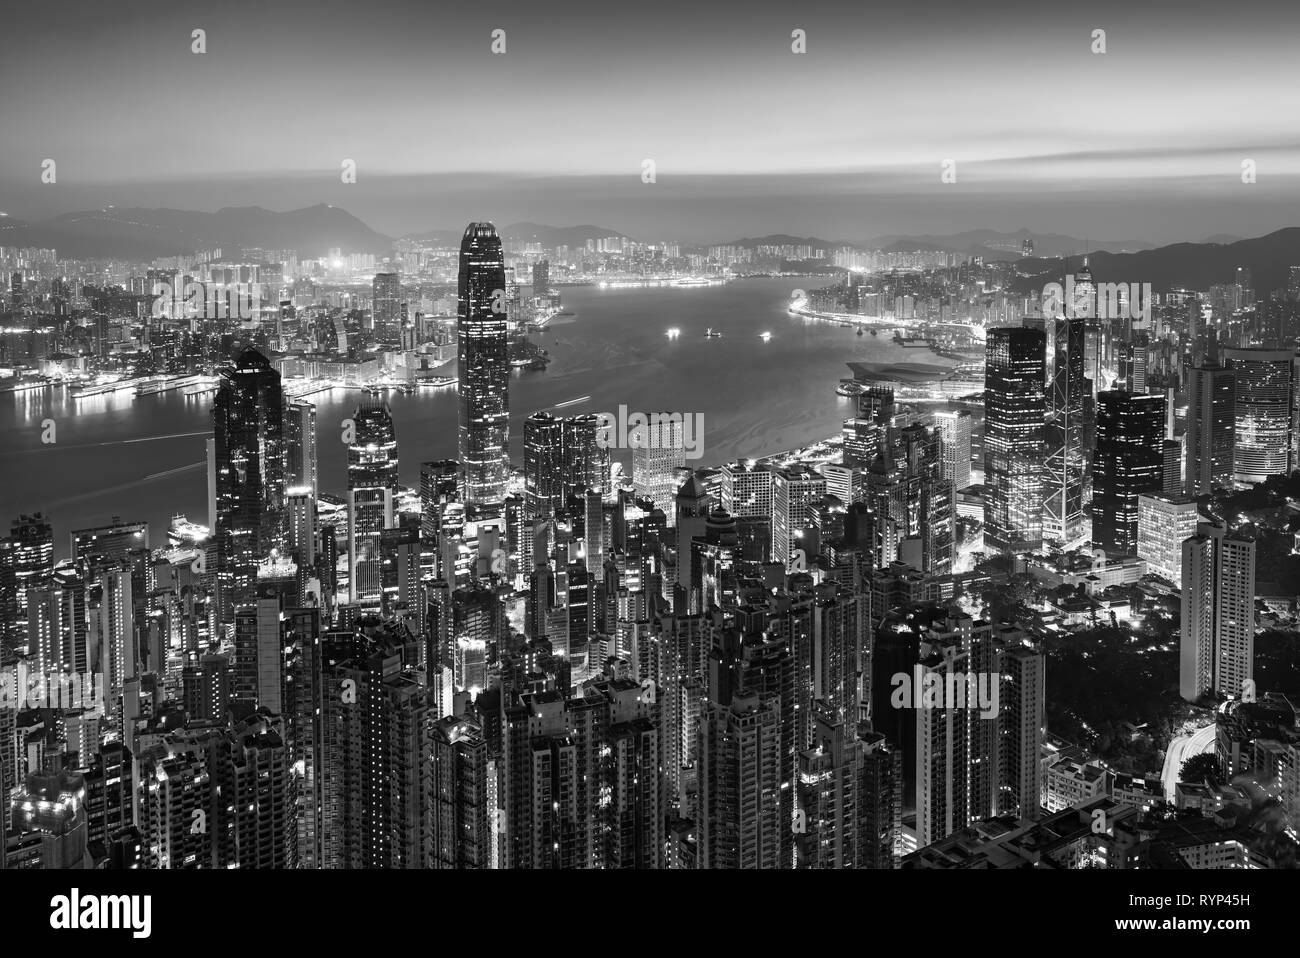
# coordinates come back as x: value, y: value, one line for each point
x: 844, y: 141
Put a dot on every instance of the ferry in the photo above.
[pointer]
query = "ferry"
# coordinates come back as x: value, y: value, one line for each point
x: 182, y: 533
x: 711, y: 333
x: 765, y: 337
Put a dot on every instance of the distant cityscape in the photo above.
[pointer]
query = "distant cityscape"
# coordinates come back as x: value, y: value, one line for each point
x: 1035, y: 607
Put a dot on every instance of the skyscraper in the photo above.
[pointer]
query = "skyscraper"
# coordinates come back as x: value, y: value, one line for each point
x: 1264, y: 392
x: 483, y: 355
x: 300, y: 445
x: 1063, y: 477
x: 1128, y: 462
x: 1165, y: 522
x: 739, y: 754
x: 372, y: 485
x: 1217, y: 649
x: 954, y: 427
x: 386, y: 305
x: 1014, y: 409
x: 248, y: 464
x: 654, y: 466
x: 1211, y: 429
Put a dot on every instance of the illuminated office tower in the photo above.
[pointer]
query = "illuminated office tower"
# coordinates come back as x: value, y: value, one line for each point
x: 544, y: 472
x: 1264, y: 395
x: 438, y: 488
x: 386, y: 305
x: 476, y: 625
x: 739, y: 775
x: 400, y: 572
x: 51, y: 804
x: 1217, y: 649
x: 582, y: 779
x: 1165, y: 522
x: 300, y: 509
x: 372, y: 486
x: 33, y: 556
x: 954, y: 427
x: 655, y: 465
x: 247, y: 462
x: 1211, y: 429
x: 562, y: 457
x: 1063, y: 433
x: 1128, y: 461
x: 756, y: 492
x: 1014, y: 407
x: 111, y: 542
x: 541, y: 277
x: 463, y: 819
x: 586, y: 456
x: 1135, y: 353
x: 912, y: 501
x: 484, y: 364
x: 300, y: 445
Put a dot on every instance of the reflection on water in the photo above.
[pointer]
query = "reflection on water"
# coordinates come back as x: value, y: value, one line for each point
x: 142, y: 458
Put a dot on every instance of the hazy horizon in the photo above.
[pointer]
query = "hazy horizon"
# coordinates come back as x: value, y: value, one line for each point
x: 1144, y: 142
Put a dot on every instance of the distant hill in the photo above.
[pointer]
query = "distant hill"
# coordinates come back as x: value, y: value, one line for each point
x: 143, y: 234
x: 1194, y: 266
x: 785, y: 239
x: 547, y: 236
x: 994, y: 245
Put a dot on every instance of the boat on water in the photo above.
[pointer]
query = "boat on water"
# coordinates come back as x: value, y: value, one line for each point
x: 765, y: 337
x: 859, y: 330
x: 849, y: 388
x: 182, y: 533
x: 712, y: 333
x: 912, y: 342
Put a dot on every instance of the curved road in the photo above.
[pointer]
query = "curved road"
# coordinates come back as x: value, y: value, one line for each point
x: 1180, y: 750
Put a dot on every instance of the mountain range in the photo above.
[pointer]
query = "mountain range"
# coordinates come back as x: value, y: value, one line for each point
x: 144, y: 234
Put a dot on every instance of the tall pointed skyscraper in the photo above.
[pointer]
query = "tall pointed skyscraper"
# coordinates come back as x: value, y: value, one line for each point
x: 1063, y: 479
x: 249, y: 463
x: 484, y: 361
x: 372, y: 489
